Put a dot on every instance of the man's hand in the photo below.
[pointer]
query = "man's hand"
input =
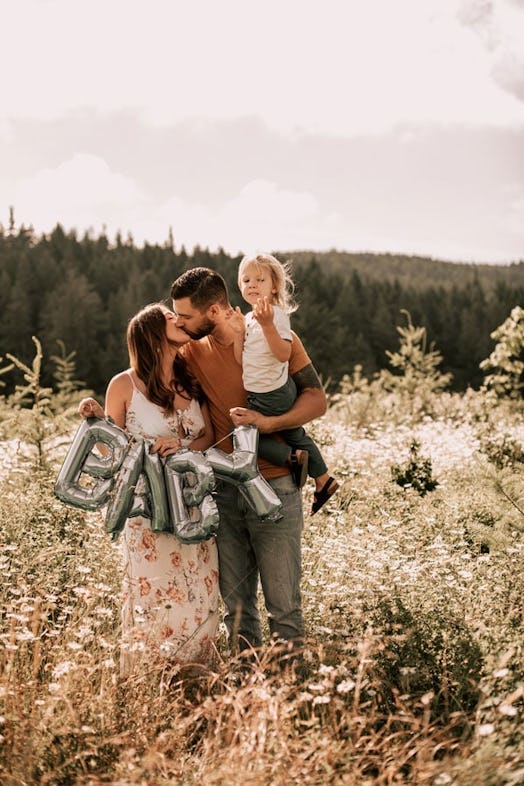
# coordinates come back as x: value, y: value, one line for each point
x: 236, y: 320
x: 241, y: 416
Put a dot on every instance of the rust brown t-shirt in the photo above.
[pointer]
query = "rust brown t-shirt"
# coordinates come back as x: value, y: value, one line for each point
x: 220, y: 376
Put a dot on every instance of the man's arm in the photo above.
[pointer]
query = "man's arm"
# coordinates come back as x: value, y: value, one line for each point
x: 311, y: 403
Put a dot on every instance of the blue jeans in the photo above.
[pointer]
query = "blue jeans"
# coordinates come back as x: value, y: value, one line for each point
x: 249, y: 548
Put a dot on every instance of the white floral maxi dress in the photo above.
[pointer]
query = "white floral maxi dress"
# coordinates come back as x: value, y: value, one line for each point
x: 170, y: 589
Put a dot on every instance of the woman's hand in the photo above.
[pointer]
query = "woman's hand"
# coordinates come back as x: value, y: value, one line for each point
x: 165, y: 446
x: 90, y: 408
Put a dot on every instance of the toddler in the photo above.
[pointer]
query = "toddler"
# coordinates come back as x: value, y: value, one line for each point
x: 263, y: 346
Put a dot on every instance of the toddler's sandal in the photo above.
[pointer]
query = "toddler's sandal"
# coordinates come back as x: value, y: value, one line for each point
x: 321, y: 497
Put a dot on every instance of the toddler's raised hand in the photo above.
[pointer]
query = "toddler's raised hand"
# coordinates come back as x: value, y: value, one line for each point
x: 263, y: 311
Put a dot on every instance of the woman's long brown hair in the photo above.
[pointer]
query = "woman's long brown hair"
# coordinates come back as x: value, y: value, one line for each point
x: 146, y: 337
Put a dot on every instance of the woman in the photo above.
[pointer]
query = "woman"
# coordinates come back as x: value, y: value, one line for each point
x: 170, y: 592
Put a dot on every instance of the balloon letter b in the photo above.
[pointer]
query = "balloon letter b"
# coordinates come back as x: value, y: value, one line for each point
x: 81, y: 459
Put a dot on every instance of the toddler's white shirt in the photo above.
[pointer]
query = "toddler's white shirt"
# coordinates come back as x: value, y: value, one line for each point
x: 261, y: 371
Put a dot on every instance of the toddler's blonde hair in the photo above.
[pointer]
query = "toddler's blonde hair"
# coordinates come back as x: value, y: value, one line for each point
x: 280, y: 273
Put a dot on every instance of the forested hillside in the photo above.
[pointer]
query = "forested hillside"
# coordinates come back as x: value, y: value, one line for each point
x: 417, y: 272
x: 83, y: 290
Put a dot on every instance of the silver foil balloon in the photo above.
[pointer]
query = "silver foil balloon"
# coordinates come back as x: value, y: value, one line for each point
x: 193, y: 510
x: 240, y: 468
x: 123, y: 494
x: 80, y: 458
x: 175, y: 494
x: 158, y: 510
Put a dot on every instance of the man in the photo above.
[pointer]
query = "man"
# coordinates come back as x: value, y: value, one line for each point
x: 248, y: 548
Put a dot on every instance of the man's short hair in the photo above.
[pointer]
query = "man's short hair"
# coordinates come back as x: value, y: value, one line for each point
x: 202, y: 286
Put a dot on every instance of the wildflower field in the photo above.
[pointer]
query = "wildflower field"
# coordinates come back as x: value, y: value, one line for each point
x: 413, y: 587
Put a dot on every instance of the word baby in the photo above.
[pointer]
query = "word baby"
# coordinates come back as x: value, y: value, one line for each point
x: 174, y: 493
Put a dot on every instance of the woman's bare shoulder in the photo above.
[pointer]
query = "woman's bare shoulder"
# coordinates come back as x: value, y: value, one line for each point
x: 121, y: 383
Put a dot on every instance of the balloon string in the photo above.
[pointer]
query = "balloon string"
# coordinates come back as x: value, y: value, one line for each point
x: 220, y: 440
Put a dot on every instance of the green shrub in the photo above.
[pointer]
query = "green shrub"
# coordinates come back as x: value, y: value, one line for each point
x: 502, y: 450
x: 427, y: 651
x: 505, y: 366
x: 38, y: 416
x: 417, y: 473
x: 416, y: 374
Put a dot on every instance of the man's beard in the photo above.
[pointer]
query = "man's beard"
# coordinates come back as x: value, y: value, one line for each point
x: 204, y: 330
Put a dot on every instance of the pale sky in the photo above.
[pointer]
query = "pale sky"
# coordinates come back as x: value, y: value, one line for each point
x: 360, y: 125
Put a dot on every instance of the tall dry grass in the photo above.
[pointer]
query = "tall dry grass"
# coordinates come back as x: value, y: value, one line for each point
x: 412, y: 672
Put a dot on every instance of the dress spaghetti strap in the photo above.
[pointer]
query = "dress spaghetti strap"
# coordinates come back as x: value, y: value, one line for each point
x: 129, y: 373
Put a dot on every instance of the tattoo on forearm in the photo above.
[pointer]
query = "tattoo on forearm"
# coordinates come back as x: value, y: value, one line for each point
x: 307, y: 377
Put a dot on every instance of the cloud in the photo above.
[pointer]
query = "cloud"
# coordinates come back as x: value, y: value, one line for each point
x: 479, y: 16
x: 508, y: 72
x: 266, y: 216
x: 262, y: 215
x: 500, y: 27
x: 81, y: 192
